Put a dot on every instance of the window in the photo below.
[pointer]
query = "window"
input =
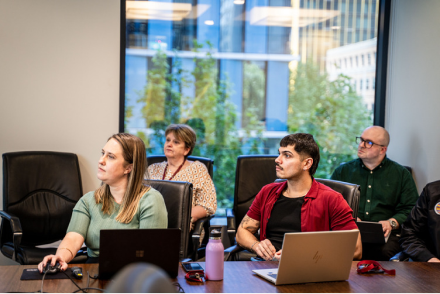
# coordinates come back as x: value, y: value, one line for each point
x: 243, y: 77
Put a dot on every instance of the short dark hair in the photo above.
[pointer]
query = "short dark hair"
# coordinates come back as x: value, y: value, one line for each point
x: 184, y: 133
x: 305, y: 145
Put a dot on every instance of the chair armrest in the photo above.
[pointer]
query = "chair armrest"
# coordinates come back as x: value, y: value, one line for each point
x: 17, y: 232
x: 231, y: 225
x: 231, y: 252
x: 230, y: 218
x: 199, y: 225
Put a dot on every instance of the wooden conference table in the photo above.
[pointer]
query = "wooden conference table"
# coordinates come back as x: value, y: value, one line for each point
x: 410, y: 277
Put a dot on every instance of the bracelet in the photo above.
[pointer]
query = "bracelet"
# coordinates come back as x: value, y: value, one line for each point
x: 68, y: 250
x: 254, y: 244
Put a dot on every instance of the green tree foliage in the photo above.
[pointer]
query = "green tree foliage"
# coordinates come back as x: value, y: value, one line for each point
x: 155, y: 92
x: 254, y: 84
x: 209, y: 112
x: 330, y: 110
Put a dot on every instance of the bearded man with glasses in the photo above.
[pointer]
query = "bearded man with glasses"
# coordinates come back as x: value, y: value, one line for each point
x: 388, y: 191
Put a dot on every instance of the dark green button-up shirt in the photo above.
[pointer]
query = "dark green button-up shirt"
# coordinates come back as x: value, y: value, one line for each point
x: 387, y: 192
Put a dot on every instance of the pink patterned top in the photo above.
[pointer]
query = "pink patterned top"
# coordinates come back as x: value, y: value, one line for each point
x: 196, y: 173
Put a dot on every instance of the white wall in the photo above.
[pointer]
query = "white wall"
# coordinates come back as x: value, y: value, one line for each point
x: 59, y: 78
x: 413, y: 89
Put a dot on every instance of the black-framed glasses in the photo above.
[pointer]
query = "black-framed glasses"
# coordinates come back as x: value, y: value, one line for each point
x: 367, y: 143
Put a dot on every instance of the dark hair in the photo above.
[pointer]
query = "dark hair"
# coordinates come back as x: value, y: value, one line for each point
x: 305, y: 146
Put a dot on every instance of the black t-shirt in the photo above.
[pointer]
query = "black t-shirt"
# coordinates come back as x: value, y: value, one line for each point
x: 284, y: 218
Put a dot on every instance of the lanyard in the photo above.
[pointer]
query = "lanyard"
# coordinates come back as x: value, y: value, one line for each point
x: 165, y: 171
x: 371, y: 266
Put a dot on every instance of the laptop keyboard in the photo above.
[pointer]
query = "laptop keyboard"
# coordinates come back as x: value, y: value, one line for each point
x: 272, y: 275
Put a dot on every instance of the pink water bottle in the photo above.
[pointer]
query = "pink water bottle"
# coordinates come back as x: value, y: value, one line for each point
x: 214, y: 257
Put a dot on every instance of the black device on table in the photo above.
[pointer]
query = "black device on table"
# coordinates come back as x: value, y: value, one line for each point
x: 50, y: 270
x: 135, y: 245
x: 77, y: 272
x: 192, y: 266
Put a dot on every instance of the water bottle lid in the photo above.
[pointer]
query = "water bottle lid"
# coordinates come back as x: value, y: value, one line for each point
x: 215, y: 234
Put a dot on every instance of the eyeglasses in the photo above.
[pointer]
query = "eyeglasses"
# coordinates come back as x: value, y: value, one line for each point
x: 367, y: 143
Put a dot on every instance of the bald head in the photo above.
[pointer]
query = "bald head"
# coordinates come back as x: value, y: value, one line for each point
x: 378, y: 135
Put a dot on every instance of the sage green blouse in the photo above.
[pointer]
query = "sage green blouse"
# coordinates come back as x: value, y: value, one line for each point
x: 88, y: 219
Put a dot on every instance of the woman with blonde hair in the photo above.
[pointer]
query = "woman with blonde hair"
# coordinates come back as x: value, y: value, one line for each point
x: 179, y: 144
x: 122, y: 202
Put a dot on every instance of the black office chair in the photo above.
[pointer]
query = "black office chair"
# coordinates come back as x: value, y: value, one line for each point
x: 206, y: 161
x: 40, y: 190
x: 253, y: 173
x: 178, y: 201
x: 350, y: 192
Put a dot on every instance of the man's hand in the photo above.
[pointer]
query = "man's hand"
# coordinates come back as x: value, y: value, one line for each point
x: 386, y: 227
x: 358, y: 219
x: 434, y: 259
x: 265, y: 249
x: 278, y: 255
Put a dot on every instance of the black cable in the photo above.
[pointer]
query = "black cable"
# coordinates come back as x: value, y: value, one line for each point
x: 92, y: 277
x: 88, y: 283
x: 88, y: 280
x: 42, y: 282
x: 176, y: 284
x: 80, y: 289
x: 91, y: 288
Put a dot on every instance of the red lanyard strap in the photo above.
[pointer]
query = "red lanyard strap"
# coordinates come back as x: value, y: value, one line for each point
x: 165, y: 171
x: 372, y: 266
x: 196, y: 276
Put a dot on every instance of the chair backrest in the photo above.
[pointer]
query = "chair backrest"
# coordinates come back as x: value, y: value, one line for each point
x: 408, y: 168
x: 41, y: 189
x: 206, y: 161
x: 177, y: 196
x: 350, y: 192
x: 253, y: 173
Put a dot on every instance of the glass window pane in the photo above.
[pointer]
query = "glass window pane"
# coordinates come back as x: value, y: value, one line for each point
x: 244, y: 74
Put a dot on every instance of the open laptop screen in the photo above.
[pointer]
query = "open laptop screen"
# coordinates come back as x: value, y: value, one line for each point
x: 119, y: 248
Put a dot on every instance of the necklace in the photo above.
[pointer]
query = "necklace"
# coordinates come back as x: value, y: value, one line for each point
x: 165, y: 171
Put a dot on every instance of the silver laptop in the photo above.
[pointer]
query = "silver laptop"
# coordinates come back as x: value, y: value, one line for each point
x: 314, y: 257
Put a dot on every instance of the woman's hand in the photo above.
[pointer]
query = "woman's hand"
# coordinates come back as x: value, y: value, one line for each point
x: 65, y: 253
x: 52, y: 259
